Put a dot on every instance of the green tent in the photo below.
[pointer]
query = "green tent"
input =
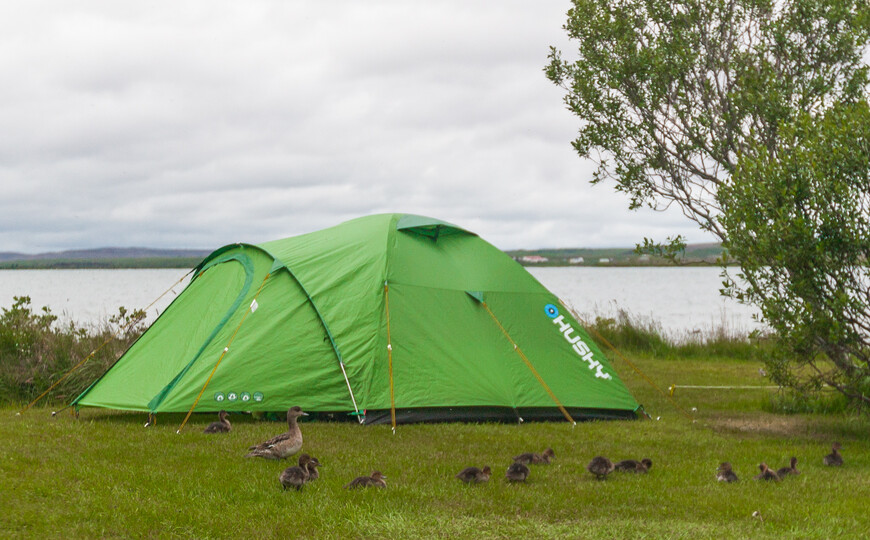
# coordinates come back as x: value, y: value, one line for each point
x: 386, y: 314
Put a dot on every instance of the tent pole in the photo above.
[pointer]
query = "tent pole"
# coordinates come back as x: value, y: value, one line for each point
x: 390, y: 356
x: 349, y: 389
x: 360, y: 417
x: 529, y: 365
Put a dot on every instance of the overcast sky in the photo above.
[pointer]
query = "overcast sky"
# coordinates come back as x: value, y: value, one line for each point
x: 198, y: 124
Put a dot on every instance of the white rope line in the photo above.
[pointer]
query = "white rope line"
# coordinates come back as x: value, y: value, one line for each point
x: 674, y: 387
x: 722, y: 387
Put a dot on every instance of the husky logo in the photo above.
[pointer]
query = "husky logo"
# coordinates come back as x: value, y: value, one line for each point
x: 577, y: 344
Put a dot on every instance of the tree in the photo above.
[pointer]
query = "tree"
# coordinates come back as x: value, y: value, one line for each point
x: 749, y: 115
x: 800, y: 227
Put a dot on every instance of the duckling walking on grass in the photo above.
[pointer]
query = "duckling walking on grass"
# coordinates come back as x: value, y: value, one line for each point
x: 375, y: 480
x: 532, y: 458
x: 766, y: 473
x: 785, y: 471
x: 296, y: 476
x: 473, y: 475
x: 221, y: 426
x: 834, y: 459
x: 631, y: 465
x: 517, y: 472
x: 313, y: 463
x: 600, y: 466
x: 284, y: 445
x: 725, y: 474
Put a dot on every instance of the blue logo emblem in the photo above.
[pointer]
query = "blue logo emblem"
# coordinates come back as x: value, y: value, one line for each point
x: 551, y: 311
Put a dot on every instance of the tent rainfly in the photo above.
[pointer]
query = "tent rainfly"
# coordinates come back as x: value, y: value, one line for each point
x: 390, y: 314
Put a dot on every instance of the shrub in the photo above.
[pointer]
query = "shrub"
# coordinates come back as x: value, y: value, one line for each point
x: 36, y: 351
x: 634, y: 334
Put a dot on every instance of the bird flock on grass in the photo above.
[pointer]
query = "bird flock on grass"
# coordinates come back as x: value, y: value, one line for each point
x: 295, y: 477
x: 726, y: 474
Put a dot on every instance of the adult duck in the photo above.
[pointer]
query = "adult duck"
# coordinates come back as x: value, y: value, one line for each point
x: 377, y: 479
x: 284, y: 445
x: 600, y: 466
x: 532, y: 458
x: 221, y: 426
x: 473, y: 475
x: 296, y: 476
x: 834, y: 459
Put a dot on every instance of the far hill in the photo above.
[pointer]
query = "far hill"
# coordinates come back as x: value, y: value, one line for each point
x: 111, y: 257
x: 695, y: 254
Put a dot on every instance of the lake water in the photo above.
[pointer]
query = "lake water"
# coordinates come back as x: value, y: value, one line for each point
x: 91, y: 296
x: 680, y: 300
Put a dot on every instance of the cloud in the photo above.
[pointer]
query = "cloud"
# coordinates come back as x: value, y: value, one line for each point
x: 197, y: 124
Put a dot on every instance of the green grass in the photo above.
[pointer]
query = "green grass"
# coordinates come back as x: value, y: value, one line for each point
x: 105, y: 476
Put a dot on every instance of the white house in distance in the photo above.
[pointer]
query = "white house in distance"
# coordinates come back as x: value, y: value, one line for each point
x: 575, y: 260
x: 604, y: 261
x: 534, y: 259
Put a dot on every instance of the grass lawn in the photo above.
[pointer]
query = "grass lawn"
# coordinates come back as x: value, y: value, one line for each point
x: 105, y: 476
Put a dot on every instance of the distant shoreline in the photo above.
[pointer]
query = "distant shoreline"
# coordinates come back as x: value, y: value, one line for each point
x: 104, y: 258
x: 111, y: 265
x: 144, y: 264
x: 133, y: 258
x: 101, y: 264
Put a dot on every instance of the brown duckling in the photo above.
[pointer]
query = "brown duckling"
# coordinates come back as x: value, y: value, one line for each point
x: 284, y: 445
x: 532, y: 458
x: 296, y: 476
x: 834, y: 459
x: 473, y: 475
x: 517, y: 472
x: 725, y: 474
x: 785, y: 471
x: 375, y: 480
x: 766, y: 473
x: 631, y: 465
x: 221, y: 426
x: 313, y: 463
x: 600, y: 466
